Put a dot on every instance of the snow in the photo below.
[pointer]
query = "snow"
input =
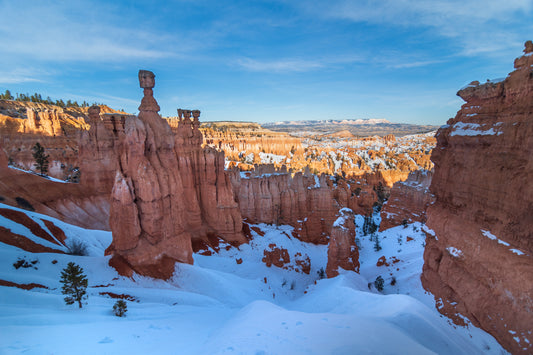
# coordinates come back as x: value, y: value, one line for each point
x: 268, y: 158
x: 217, y: 306
x: 472, y: 129
x: 517, y: 252
x: 489, y: 235
x: 454, y: 252
x: 498, y: 80
x: 429, y: 231
x: 34, y: 173
x: 468, y: 86
x: 502, y: 242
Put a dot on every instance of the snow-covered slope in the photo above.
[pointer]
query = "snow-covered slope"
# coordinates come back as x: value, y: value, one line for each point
x: 231, y: 302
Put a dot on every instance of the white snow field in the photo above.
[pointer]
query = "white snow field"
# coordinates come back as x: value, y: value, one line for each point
x: 217, y: 306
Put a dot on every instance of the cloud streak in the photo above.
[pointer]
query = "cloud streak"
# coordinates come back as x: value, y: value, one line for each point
x: 21, y: 75
x: 478, y: 26
x: 279, y: 66
x: 53, y: 33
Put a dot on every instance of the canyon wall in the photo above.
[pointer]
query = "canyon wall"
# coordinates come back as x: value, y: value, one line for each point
x: 23, y: 124
x: 168, y: 193
x: 479, y: 255
x: 408, y: 200
x: 307, y: 202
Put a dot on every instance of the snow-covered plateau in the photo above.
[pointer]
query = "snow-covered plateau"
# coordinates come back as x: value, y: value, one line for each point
x: 230, y: 302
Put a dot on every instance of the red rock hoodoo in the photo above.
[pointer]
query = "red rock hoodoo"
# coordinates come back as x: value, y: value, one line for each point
x: 167, y: 192
x: 342, y: 251
x: 479, y: 253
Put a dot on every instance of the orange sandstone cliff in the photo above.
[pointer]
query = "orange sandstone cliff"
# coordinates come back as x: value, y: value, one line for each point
x: 479, y: 255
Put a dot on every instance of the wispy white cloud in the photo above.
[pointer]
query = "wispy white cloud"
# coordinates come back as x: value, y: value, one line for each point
x: 283, y: 65
x: 21, y: 75
x: 56, y: 32
x: 413, y: 64
x: 477, y: 26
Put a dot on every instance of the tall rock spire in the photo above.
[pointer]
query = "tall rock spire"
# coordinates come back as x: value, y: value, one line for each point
x: 168, y: 194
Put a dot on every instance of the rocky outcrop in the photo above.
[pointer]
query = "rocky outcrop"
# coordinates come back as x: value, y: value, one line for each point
x: 342, y: 250
x: 479, y: 253
x: 408, y: 201
x: 168, y: 191
x: 276, y: 256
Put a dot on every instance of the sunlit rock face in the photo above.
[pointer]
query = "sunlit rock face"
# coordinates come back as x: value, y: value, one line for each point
x: 408, y: 200
x: 23, y: 123
x: 167, y: 192
x: 479, y: 254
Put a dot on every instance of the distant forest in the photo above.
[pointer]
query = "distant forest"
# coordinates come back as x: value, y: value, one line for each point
x: 39, y: 99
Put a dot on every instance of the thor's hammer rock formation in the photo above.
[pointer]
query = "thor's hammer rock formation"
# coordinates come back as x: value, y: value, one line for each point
x: 168, y: 194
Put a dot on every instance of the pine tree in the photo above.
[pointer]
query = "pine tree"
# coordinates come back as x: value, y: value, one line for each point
x: 41, y: 159
x: 7, y: 95
x: 377, y: 245
x: 74, y: 284
x: 120, y: 308
x: 379, y: 283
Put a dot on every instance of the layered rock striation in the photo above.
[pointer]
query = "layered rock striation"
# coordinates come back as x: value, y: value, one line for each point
x: 167, y: 193
x: 479, y: 253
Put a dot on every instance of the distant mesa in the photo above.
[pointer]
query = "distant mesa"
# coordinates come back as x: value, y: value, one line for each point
x: 340, y: 134
x: 357, y: 121
x: 357, y: 127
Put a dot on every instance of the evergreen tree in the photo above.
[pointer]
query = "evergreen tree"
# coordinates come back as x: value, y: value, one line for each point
x: 379, y: 283
x: 7, y: 96
x: 41, y: 159
x: 377, y: 245
x: 369, y: 226
x: 74, y: 284
x: 120, y: 308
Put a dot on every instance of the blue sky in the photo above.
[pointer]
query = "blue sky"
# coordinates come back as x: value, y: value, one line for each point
x: 262, y: 61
